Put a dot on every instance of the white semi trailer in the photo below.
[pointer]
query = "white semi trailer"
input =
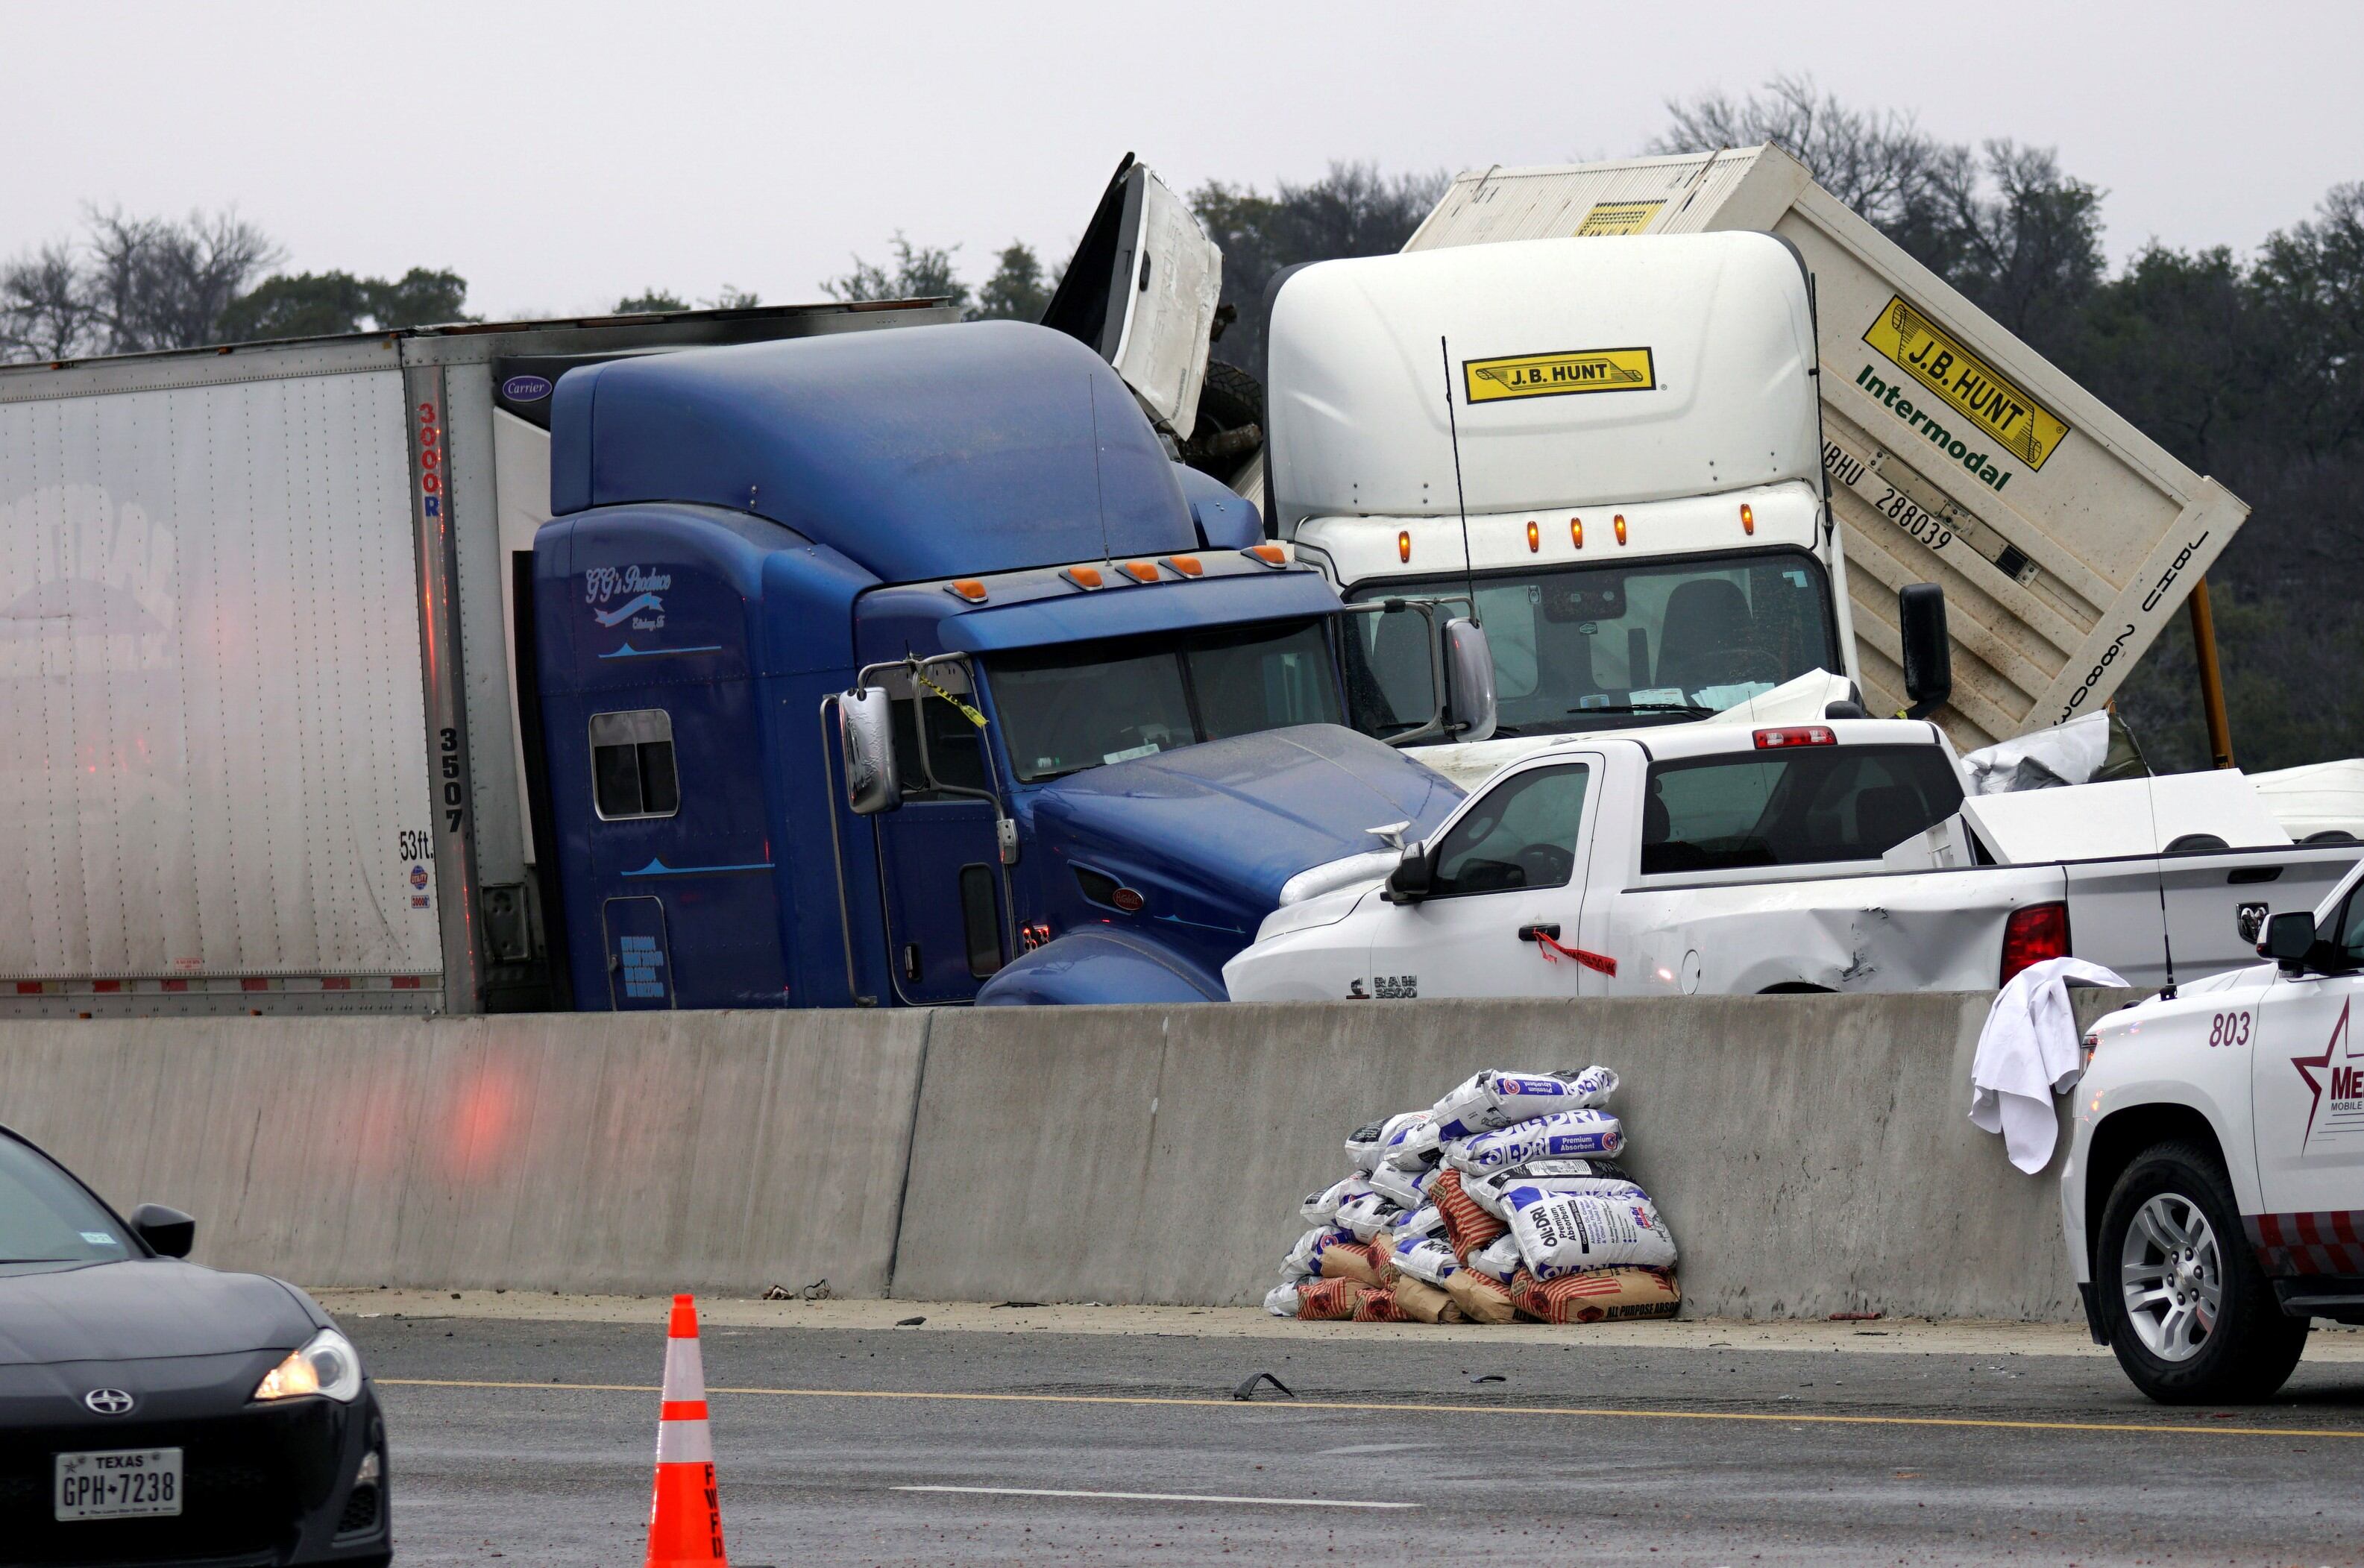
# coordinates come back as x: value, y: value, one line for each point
x: 2062, y: 536
x: 259, y: 721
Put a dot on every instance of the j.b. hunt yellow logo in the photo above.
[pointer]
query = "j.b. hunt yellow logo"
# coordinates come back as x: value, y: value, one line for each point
x: 1931, y: 356
x: 1557, y: 375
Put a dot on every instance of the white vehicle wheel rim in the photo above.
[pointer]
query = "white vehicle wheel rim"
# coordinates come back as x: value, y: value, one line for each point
x: 2173, y: 1277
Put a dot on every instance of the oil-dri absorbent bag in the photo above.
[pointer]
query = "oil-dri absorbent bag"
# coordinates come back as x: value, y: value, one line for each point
x: 1321, y: 1207
x: 1400, y: 1188
x: 1494, y: 1098
x: 1424, y: 1258
x: 1560, y: 1233
x: 1370, y: 1141
x: 1368, y: 1215
x: 1304, y: 1260
x: 1604, y: 1178
x: 1413, y: 1145
x: 1563, y: 1135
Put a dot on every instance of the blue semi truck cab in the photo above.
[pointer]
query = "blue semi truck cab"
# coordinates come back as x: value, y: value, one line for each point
x: 906, y: 668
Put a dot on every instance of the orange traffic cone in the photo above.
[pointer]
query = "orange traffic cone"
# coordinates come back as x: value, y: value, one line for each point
x: 686, y: 1512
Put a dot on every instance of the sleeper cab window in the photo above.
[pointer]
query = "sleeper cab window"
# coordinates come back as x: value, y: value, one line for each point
x: 631, y: 765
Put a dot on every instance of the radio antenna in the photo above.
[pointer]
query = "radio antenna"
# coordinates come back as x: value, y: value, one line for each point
x: 1460, y: 500
x: 2165, y: 937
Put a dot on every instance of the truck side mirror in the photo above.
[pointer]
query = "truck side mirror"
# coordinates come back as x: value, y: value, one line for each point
x: 1409, y: 882
x: 2290, y: 937
x: 865, y: 730
x: 1928, y: 654
x: 1470, y: 706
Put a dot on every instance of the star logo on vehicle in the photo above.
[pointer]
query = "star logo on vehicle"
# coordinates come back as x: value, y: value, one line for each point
x: 2308, y: 1066
x: 108, y: 1401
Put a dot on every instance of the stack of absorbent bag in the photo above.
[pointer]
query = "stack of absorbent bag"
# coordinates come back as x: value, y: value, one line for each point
x: 1504, y: 1200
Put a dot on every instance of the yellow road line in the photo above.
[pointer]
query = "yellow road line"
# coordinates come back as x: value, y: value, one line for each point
x: 1413, y: 1408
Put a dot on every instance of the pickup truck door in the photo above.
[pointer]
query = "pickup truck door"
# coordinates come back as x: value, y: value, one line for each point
x: 2307, y: 1088
x: 1510, y: 867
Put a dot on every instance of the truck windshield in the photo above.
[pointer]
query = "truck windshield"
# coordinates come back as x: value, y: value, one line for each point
x: 1081, y: 706
x: 1605, y: 647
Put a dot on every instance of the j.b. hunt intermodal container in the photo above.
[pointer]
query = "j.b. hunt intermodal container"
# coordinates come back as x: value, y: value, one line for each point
x: 1956, y: 454
x: 259, y: 727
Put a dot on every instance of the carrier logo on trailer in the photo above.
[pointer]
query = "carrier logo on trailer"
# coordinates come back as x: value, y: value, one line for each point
x: 1933, y: 357
x: 1558, y: 375
x: 526, y: 388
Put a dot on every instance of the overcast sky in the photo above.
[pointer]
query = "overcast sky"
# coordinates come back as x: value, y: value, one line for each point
x: 561, y: 155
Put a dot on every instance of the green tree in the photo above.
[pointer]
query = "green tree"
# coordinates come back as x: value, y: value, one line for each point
x: 919, y: 272
x: 1353, y: 210
x: 651, y: 302
x: 311, y: 304
x: 1018, y: 291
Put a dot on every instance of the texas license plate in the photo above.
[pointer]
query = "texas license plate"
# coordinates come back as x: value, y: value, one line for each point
x: 117, y: 1484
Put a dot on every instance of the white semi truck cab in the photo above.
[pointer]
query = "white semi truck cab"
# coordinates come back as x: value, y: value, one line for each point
x: 1611, y: 452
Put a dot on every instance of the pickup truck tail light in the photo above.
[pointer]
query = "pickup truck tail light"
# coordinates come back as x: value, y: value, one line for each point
x: 2033, y: 934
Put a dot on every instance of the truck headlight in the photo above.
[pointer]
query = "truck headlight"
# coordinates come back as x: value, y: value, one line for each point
x: 327, y: 1363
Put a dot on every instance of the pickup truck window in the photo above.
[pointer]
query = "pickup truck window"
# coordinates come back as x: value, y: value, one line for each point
x: 1606, y: 647
x: 1084, y: 704
x: 1793, y: 808
x: 1521, y: 834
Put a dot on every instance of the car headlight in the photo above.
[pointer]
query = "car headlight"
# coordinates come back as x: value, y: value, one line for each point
x: 327, y: 1363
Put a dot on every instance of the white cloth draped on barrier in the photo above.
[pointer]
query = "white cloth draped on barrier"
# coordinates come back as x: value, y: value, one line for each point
x: 2028, y: 1051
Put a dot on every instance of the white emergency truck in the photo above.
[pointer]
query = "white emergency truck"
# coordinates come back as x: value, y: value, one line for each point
x: 1720, y: 859
x: 1611, y: 452
x: 2212, y: 1201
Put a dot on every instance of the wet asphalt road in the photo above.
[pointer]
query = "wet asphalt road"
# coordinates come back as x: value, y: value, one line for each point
x: 1582, y: 1453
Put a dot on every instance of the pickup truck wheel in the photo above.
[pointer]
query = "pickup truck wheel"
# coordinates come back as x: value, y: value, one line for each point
x: 2189, y: 1313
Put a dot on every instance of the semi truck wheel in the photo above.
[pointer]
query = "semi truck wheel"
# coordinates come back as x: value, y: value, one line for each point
x: 2190, y: 1316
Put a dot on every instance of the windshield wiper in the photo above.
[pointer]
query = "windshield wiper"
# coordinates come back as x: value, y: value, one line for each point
x: 1691, y: 708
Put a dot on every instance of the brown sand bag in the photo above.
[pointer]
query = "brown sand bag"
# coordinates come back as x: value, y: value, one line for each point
x: 1598, y: 1296
x: 1479, y: 1299
x: 1328, y: 1300
x: 1424, y: 1303
x: 1348, y: 1261
x: 1467, y: 1227
x: 1379, y: 1307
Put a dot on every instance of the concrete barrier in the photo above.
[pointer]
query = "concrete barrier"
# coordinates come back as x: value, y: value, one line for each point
x: 721, y: 1151
x: 1813, y: 1154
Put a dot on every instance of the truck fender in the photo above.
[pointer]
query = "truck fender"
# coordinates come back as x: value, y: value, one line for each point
x: 1100, y: 966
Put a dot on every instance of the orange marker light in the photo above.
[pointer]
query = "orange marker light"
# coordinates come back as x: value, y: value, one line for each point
x: 968, y: 588
x: 1403, y: 544
x: 1747, y: 518
x: 1617, y: 522
x: 1576, y: 532
x: 1140, y: 571
x: 1270, y: 554
x: 1083, y: 576
x: 1185, y: 565
x: 1534, y: 539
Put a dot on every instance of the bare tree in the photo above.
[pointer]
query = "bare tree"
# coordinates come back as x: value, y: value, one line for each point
x: 44, y: 313
x: 1881, y: 164
x: 160, y: 284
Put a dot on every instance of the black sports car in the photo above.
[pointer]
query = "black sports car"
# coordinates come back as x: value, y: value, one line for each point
x: 153, y: 1411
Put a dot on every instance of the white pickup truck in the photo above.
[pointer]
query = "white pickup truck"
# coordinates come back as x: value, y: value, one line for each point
x: 1720, y: 858
x: 2212, y: 1200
